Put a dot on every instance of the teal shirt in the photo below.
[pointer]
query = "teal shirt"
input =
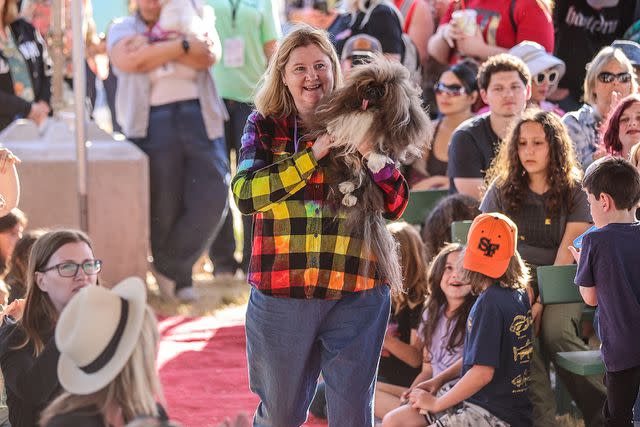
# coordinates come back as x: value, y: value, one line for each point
x: 256, y: 23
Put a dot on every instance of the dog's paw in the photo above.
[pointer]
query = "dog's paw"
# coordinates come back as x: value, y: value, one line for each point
x: 375, y: 162
x: 349, y: 200
x: 346, y: 187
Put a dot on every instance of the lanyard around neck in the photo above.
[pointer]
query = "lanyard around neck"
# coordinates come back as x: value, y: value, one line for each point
x: 235, y: 5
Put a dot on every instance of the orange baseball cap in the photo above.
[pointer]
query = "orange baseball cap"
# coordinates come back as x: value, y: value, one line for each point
x: 491, y: 243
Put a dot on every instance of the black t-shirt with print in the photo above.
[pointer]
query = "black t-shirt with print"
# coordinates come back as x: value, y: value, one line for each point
x: 581, y: 31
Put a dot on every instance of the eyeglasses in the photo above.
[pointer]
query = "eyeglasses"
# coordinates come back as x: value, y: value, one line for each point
x: 549, y: 76
x: 606, y: 77
x: 70, y: 269
x: 453, y: 90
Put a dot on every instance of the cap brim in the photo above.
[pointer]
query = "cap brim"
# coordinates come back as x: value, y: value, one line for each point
x: 75, y: 380
x: 491, y: 267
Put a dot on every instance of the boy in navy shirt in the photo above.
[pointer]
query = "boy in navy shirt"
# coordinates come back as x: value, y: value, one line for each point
x: 493, y: 389
x: 609, y: 276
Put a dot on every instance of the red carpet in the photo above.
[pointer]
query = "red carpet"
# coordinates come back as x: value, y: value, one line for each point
x: 203, y: 368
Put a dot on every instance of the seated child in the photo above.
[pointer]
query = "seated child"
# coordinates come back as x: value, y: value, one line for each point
x: 609, y: 277
x: 441, y: 331
x: 498, y: 343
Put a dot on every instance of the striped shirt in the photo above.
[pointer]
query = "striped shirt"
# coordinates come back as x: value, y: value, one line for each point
x: 301, y: 247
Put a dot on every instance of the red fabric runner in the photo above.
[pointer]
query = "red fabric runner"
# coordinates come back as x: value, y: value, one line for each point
x: 203, y: 369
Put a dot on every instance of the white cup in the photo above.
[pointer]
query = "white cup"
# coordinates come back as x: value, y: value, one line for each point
x: 465, y: 20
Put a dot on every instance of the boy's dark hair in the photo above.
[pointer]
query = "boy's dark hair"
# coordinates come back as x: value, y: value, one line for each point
x: 616, y: 177
x: 502, y: 62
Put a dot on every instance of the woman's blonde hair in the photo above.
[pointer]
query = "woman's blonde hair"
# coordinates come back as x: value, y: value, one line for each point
x: 40, y: 315
x: 634, y: 155
x: 273, y: 98
x: 602, y: 58
x: 414, y: 265
x: 136, y: 389
x: 517, y: 275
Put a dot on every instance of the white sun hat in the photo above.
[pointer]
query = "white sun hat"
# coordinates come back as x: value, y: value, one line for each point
x: 537, y: 58
x: 97, y: 333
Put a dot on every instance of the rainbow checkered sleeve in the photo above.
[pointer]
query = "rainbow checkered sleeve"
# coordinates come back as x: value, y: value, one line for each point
x: 301, y: 249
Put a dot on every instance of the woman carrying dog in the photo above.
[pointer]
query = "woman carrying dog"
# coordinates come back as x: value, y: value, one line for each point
x: 61, y: 263
x: 108, y: 341
x: 315, y: 306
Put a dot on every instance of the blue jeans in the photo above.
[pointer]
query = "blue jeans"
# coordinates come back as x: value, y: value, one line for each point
x: 189, y: 183
x: 290, y: 341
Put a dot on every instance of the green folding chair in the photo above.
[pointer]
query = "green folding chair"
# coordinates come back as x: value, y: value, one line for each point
x: 459, y: 231
x: 556, y: 285
x: 421, y: 203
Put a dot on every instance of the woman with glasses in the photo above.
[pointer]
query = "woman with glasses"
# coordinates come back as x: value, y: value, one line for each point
x: 61, y: 263
x: 609, y: 78
x: 456, y: 93
x: 546, y: 71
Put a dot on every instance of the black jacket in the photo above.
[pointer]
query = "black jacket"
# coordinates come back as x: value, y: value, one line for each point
x: 34, y: 51
x: 31, y: 382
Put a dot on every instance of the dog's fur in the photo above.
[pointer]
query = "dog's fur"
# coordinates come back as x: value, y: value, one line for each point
x: 182, y: 18
x: 379, y: 104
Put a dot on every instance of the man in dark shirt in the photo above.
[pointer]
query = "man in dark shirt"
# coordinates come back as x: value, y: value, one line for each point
x: 505, y: 86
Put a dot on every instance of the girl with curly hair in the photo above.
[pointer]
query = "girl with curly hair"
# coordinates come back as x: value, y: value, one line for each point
x: 535, y: 180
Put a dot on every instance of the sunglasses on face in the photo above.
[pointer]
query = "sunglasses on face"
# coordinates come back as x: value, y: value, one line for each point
x: 606, y: 77
x: 549, y: 76
x: 70, y: 269
x: 453, y: 90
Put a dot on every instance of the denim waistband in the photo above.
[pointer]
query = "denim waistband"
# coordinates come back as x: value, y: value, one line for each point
x: 175, y: 105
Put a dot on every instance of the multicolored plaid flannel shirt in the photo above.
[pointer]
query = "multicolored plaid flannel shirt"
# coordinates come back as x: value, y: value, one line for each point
x: 300, y: 248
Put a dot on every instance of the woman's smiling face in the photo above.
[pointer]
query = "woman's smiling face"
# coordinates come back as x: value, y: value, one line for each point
x: 308, y: 76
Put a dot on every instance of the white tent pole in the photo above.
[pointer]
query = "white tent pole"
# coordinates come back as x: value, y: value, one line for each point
x: 57, y: 55
x: 79, y: 89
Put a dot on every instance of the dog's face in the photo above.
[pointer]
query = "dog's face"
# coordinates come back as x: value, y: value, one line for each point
x: 380, y: 95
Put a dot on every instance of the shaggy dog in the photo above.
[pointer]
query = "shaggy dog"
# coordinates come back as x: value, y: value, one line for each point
x: 181, y: 18
x: 378, y: 104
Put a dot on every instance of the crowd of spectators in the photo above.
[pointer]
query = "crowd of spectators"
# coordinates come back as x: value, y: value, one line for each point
x: 536, y: 132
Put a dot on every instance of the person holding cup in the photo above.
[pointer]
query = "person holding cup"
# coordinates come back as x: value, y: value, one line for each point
x: 483, y: 28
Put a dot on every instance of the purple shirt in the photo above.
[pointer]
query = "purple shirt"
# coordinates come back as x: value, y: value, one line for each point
x: 609, y: 261
x: 441, y: 358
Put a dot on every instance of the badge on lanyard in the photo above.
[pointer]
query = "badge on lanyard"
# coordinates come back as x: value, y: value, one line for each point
x: 233, y: 52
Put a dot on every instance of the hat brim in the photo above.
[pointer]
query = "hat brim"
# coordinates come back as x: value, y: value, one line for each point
x: 75, y: 380
x: 491, y: 268
x: 546, y: 62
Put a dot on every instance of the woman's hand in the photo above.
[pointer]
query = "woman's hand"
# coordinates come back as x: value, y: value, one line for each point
x: 7, y: 159
x: 321, y: 146
x: 471, y: 45
x: 451, y: 33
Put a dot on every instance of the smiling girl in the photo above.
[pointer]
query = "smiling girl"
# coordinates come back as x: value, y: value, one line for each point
x: 535, y: 180
x: 622, y: 130
x: 441, y: 331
